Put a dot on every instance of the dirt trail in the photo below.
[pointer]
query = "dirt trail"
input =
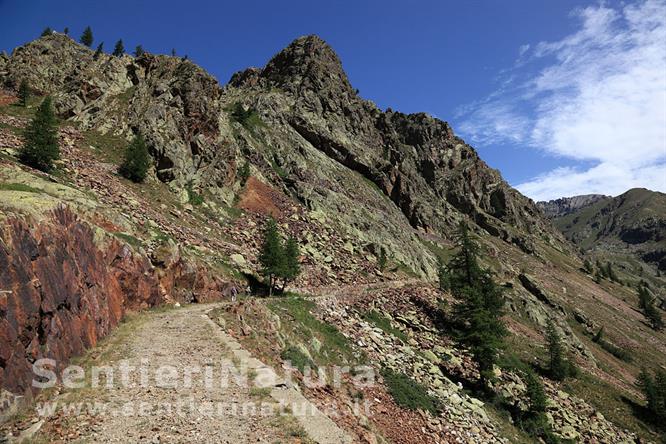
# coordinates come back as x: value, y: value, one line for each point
x: 181, y: 338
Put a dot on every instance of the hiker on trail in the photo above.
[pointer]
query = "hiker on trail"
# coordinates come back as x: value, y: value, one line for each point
x: 234, y: 293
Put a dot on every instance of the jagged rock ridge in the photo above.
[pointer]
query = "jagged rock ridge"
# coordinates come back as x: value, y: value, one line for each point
x: 567, y: 205
x: 319, y: 135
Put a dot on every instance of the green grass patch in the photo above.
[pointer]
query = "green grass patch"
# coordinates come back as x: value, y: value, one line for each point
x: 509, y: 360
x: 260, y: 392
x: 135, y: 242
x: 297, y: 358
x: 110, y: 147
x: 384, y: 324
x: 610, y: 401
x: 277, y: 168
x: 17, y: 110
x: 405, y: 269
x: 194, y: 197
x: 302, y: 326
x: 18, y: 187
x: 444, y: 255
x: 408, y: 393
x: 248, y: 118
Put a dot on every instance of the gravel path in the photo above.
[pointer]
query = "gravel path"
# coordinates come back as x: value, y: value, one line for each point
x: 202, y: 411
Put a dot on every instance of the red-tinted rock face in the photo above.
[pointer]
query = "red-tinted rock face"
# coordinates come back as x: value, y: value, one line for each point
x: 60, y: 292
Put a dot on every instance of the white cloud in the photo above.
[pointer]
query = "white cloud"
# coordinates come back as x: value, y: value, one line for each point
x: 599, y: 95
x: 605, y: 178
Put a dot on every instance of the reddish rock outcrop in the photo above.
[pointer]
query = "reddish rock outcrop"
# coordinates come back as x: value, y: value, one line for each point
x: 61, y: 290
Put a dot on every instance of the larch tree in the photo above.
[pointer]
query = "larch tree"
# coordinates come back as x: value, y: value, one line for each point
x: 87, y: 37
x: 40, y: 148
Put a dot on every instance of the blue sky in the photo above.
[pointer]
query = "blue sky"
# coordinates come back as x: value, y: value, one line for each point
x: 563, y: 97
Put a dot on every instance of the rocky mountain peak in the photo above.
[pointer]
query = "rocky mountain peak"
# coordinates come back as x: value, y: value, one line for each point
x: 308, y: 62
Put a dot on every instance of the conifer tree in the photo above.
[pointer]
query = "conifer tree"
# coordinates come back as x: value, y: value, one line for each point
x: 271, y: 257
x: 610, y: 273
x: 480, y: 310
x: 40, y: 147
x: 654, y: 391
x: 87, y: 37
x: 24, y: 93
x: 65, y: 31
x: 443, y: 276
x: 291, y: 266
x: 173, y: 52
x: 381, y: 262
x: 119, y: 49
x: 136, y: 161
x: 535, y: 393
x: 651, y: 312
x: 559, y: 367
x: 47, y: 31
x: 99, y: 51
x: 138, y: 51
x: 244, y: 173
x: 535, y: 421
x: 587, y: 266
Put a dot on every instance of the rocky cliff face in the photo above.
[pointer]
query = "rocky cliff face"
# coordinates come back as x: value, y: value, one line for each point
x: 172, y: 102
x: 64, y: 287
x: 431, y: 175
x: 62, y: 292
x: 567, y: 205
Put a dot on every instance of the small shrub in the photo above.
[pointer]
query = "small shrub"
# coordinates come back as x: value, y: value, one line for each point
x: 619, y: 352
x: 382, y: 260
x: 135, y: 242
x: 408, y: 393
x: 136, y: 162
x: 18, y: 187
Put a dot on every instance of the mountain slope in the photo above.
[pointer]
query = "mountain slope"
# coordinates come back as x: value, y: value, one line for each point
x: 322, y: 140
x: 351, y: 183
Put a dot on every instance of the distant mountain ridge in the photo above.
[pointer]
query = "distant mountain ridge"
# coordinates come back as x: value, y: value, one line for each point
x: 567, y: 205
x: 632, y: 223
